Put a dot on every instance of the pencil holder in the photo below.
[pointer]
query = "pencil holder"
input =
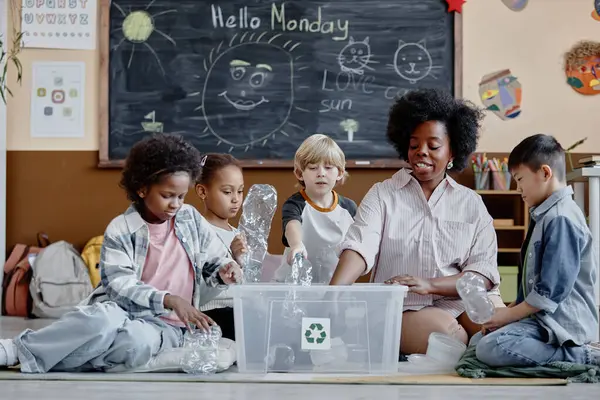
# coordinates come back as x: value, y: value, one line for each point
x: 501, y: 180
x: 482, y: 180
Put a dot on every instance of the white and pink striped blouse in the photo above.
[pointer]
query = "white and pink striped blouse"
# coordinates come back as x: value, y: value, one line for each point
x: 397, y: 231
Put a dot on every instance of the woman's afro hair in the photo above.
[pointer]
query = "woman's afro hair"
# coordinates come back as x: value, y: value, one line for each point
x: 461, y: 118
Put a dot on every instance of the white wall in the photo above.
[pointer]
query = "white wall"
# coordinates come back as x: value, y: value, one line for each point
x: 3, y: 129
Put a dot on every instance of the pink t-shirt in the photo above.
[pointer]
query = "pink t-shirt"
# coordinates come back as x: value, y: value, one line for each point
x: 167, y: 266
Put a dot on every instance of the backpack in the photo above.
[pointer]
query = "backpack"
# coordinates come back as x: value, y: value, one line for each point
x: 60, y: 281
x: 91, y: 256
x: 17, y: 301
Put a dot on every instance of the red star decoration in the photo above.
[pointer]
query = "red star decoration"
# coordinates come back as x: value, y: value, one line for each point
x: 455, y: 5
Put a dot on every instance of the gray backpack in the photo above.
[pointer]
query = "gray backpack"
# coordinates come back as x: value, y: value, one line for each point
x: 60, y: 280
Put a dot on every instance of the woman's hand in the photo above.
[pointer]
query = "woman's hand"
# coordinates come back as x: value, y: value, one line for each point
x: 415, y: 284
x: 187, y: 313
x: 231, y: 273
x: 238, y: 247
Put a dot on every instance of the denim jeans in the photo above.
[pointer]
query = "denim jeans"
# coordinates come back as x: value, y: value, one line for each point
x: 95, y: 338
x: 524, y: 344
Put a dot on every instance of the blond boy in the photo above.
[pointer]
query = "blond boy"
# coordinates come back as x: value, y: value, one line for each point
x: 316, y: 218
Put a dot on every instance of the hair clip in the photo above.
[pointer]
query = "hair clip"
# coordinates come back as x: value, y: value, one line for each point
x: 203, y: 161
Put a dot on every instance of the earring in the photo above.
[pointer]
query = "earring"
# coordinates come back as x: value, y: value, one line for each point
x: 450, y: 165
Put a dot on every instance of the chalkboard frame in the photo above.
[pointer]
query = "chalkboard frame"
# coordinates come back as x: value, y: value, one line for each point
x: 104, y: 90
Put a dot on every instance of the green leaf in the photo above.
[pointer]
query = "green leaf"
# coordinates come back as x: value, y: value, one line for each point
x: 575, y: 82
x: 576, y: 144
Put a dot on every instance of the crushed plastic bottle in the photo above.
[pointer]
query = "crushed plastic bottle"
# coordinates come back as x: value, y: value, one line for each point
x: 202, y: 354
x: 337, y: 355
x: 300, y: 275
x: 255, y: 224
x: 302, y: 272
x: 471, y: 289
x: 280, y: 358
x: 325, y: 263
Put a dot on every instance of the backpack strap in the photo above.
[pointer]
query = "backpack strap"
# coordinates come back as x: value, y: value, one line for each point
x: 19, y: 252
x: 43, y: 240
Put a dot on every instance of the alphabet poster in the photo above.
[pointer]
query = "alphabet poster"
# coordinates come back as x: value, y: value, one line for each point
x: 59, y: 24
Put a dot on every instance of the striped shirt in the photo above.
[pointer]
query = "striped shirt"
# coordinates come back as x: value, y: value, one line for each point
x: 399, y: 232
x: 123, y: 257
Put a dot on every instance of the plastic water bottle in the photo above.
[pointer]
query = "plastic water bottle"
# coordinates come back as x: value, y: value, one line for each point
x: 471, y: 289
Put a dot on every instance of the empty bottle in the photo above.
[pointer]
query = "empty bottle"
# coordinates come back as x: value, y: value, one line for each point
x: 471, y: 289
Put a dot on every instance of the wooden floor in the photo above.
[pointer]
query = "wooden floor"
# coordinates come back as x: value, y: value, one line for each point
x: 67, y: 390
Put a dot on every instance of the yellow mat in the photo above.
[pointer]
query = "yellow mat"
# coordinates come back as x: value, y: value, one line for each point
x: 234, y: 377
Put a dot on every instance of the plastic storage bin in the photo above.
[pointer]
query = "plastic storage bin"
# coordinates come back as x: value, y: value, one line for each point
x: 319, y: 328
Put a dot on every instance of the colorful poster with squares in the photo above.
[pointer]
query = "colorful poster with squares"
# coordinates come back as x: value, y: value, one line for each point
x: 57, y: 107
x: 59, y: 24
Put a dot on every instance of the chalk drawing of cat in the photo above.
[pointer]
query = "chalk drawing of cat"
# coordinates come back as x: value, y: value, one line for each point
x: 355, y: 57
x: 412, y: 61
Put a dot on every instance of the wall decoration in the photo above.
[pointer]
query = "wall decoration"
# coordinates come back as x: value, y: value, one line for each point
x: 582, y: 67
x: 57, y: 105
x: 596, y: 13
x: 59, y: 24
x: 516, y: 5
x: 455, y: 5
x: 597, y: 6
x: 501, y: 93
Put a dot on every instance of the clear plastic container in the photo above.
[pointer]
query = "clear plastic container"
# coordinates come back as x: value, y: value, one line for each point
x: 333, y: 329
x: 444, y: 349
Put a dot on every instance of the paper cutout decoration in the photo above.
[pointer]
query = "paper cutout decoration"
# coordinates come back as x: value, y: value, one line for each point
x: 515, y: 5
x: 455, y: 5
x: 501, y: 93
x: 582, y: 67
x: 597, y: 6
x: 596, y: 15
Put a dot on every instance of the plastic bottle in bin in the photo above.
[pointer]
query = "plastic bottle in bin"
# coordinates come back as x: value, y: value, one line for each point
x: 471, y: 289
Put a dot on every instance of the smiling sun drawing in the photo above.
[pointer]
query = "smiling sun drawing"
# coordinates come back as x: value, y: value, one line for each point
x: 137, y: 27
x: 249, y: 89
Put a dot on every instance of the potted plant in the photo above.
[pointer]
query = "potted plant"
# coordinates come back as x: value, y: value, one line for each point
x: 571, y: 148
x: 9, y: 52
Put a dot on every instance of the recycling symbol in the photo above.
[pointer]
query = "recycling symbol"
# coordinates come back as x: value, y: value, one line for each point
x: 315, y: 333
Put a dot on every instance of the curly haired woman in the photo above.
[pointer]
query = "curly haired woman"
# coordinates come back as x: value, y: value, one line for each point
x: 420, y: 228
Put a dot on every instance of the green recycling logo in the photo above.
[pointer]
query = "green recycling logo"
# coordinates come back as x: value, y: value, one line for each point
x: 315, y: 333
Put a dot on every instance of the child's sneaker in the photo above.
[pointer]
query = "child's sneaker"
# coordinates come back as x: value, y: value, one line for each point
x: 8, y: 353
x: 595, y: 353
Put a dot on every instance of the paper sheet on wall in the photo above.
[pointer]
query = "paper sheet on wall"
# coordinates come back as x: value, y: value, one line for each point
x: 59, y: 24
x: 57, y: 99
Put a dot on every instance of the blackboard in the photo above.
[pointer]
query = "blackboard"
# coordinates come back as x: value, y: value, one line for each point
x: 254, y: 78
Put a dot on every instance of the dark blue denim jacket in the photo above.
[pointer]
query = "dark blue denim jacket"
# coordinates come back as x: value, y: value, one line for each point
x: 561, y: 270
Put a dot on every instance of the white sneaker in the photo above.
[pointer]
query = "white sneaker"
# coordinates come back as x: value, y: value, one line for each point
x: 8, y: 353
x: 595, y: 353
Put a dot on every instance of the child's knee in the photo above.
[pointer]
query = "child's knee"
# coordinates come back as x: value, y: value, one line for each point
x: 487, y: 349
x: 100, y: 317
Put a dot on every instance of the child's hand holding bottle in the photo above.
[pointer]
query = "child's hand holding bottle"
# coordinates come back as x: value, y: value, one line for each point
x: 296, y: 249
x: 239, y: 247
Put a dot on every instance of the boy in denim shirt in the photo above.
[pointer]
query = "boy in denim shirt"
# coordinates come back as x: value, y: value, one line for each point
x: 554, y: 317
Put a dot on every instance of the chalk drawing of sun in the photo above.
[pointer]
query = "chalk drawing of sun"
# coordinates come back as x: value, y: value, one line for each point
x: 137, y: 27
x: 249, y: 89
